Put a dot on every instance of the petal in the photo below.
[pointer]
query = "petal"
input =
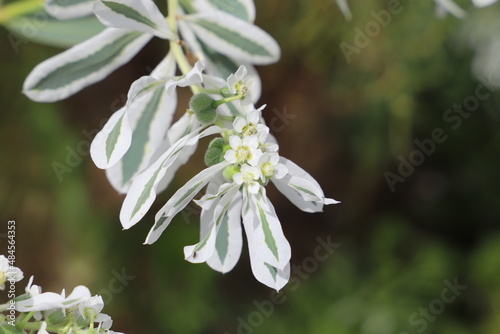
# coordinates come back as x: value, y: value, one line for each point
x: 235, y: 142
x: 238, y: 124
x: 139, y: 15
x: 82, y: 65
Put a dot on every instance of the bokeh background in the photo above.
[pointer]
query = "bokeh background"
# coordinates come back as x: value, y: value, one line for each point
x: 348, y: 124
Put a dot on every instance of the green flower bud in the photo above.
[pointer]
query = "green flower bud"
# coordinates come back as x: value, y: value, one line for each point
x: 230, y: 170
x: 202, y: 105
x: 215, y: 152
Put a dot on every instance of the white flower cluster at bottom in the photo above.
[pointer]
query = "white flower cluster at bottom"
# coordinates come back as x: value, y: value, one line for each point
x: 77, y: 313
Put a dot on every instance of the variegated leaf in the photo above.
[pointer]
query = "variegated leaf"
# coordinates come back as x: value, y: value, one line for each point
x: 181, y: 198
x: 269, y: 241
x: 64, y: 9
x: 140, y: 15
x: 142, y: 192
x: 82, y: 65
x: 263, y: 272
x: 235, y: 37
x: 301, y: 188
x: 111, y: 143
x: 229, y: 241
x: 243, y: 9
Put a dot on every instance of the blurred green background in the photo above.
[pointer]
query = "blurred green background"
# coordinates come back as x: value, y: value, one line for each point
x: 348, y: 124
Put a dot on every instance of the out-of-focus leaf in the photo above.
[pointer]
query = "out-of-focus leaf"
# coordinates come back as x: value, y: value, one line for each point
x: 62, y: 34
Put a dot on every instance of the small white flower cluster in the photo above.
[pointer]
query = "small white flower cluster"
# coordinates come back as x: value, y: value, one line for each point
x: 49, y: 312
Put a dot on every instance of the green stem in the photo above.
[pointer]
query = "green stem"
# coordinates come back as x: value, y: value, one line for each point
x: 210, y: 91
x: 35, y: 325
x: 22, y: 321
x: 227, y: 99
x: 175, y: 45
x: 19, y: 8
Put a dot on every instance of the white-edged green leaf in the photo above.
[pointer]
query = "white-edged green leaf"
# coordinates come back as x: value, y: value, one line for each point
x: 183, y: 127
x: 191, y: 41
x: 82, y: 65
x: 181, y: 198
x: 269, y: 241
x: 263, y: 272
x: 140, y: 15
x: 243, y: 9
x: 203, y: 250
x: 150, y: 113
x: 234, y: 37
x: 61, y: 34
x: 142, y: 192
x: 69, y: 9
x: 210, y: 220
x: 113, y: 141
x: 301, y: 188
x: 150, y: 117
x: 229, y: 241
x: 193, y: 77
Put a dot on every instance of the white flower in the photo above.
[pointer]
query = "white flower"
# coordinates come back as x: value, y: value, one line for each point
x: 251, y: 125
x: 270, y: 167
x: 91, y: 307
x: 8, y: 272
x: 249, y: 176
x: 241, y: 83
x: 50, y: 300
x: 243, y: 150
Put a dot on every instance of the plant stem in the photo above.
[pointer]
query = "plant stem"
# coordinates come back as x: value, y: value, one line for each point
x: 19, y: 8
x: 175, y: 45
x: 227, y: 99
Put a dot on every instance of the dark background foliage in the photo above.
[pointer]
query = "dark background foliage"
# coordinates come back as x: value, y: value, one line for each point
x: 348, y: 124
